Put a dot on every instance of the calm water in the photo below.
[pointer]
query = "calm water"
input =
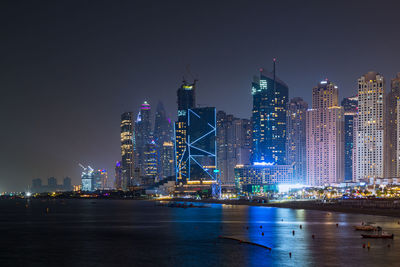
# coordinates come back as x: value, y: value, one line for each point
x: 139, y: 233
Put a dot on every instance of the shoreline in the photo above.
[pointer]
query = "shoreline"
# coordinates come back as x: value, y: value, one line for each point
x: 306, y: 205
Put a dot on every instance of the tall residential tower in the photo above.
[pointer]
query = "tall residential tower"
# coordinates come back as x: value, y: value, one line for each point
x: 325, y: 139
x: 296, y: 138
x: 233, y: 145
x: 391, y: 114
x: 370, y: 131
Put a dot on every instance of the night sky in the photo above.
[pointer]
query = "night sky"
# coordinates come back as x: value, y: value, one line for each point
x: 69, y: 69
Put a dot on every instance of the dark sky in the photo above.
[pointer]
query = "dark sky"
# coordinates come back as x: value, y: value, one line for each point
x: 70, y: 68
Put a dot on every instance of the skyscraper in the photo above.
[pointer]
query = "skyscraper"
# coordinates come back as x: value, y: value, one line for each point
x: 195, y: 154
x: 186, y: 97
x: 87, y: 179
x: 325, y: 139
x: 350, y: 107
x: 99, y: 179
x: 391, y: 113
x: 296, y: 138
x: 163, y: 133
x: 398, y: 138
x: 118, y: 176
x: 127, y: 149
x: 233, y: 145
x: 370, y: 131
x: 150, y: 162
x: 52, y: 184
x: 270, y: 97
x: 167, y: 159
x: 67, y: 186
x: 186, y: 100
x: 143, y: 135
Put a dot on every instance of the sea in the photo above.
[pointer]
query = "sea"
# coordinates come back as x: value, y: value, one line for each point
x: 87, y: 232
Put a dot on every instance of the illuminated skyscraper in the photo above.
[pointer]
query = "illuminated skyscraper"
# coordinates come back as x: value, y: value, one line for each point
x: 143, y: 135
x: 127, y: 149
x: 195, y: 153
x: 325, y: 138
x: 398, y: 138
x: 391, y: 114
x: 186, y: 99
x: 150, y: 161
x: 296, y: 138
x: 87, y: 179
x: 270, y: 97
x: 167, y: 160
x: 118, y: 176
x: 99, y: 179
x: 163, y: 133
x: 350, y: 106
x: 370, y: 131
x: 233, y: 145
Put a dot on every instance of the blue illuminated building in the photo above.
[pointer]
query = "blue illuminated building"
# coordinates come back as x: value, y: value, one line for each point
x: 195, y: 147
x: 350, y: 106
x: 270, y: 98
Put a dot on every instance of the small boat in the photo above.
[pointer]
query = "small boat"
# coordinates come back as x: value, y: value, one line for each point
x: 378, y: 235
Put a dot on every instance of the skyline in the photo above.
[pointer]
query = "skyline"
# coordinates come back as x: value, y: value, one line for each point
x: 79, y: 121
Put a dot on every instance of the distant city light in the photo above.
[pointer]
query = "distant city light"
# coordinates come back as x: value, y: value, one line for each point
x: 263, y: 163
x: 284, y: 188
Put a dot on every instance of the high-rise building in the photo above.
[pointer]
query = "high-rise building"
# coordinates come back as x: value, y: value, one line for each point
x: 233, y: 145
x: 350, y: 107
x: 52, y: 184
x: 262, y: 177
x: 99, y: 179
x: 296, y: 138
x: 167, y: 160
x: 325, y: 138
x: 163, y: 133
x: 67, y: 185
x: 391, y: 113
x: 195, y: 153
x: 127, y: 149
x: 270, y: 97
x: 370, y: 131
x: 186, y: 99
x: 143, y: 135
x: 87, y: 179
x: 150, y: 161
x: 398, y: 138
x: 118, y: 176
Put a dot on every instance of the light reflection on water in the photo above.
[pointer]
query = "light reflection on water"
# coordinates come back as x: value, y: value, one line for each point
x: 117, y: 233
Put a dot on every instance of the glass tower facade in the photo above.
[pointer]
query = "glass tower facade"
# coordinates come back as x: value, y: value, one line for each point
x: 350, y: 106
x: 270, y: 97
x: 127, y: 150
x: 296, y: 138
x: 196, y: 146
